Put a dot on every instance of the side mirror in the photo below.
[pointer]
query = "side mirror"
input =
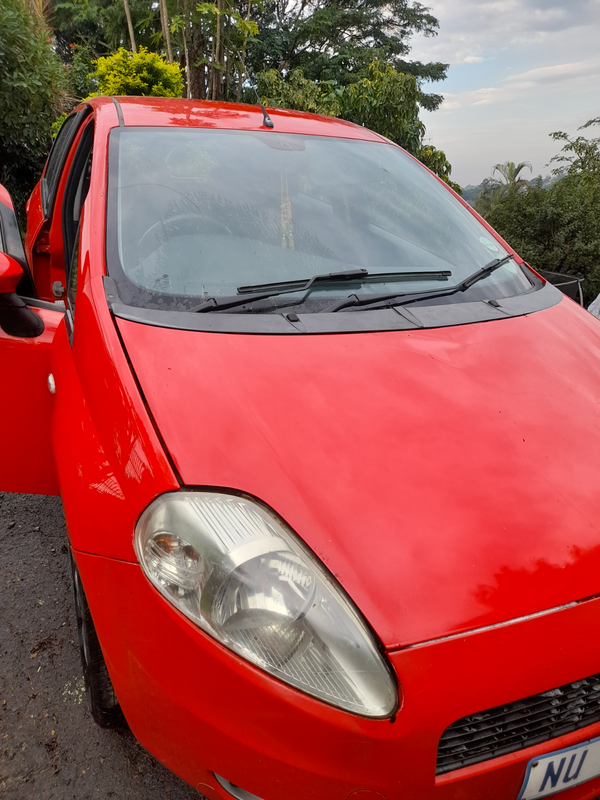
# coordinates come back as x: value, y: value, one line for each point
x: 11, y: 273
x: 16, y: 318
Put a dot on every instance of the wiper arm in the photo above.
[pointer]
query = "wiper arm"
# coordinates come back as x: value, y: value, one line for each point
x: 411, y: 297
x: 352, y: 274
x: 262, y: 291
x: 482, y: 273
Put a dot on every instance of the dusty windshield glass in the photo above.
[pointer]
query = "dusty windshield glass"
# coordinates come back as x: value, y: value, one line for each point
x: 197, y: 213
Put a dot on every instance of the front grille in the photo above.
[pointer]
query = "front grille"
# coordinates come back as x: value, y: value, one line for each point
x: 514, y: 726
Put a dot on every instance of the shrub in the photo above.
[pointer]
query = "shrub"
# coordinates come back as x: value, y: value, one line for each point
x: 141, y: 73
x: 32, y: 78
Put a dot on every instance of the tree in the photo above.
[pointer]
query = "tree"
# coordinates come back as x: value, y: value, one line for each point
x: 141, y: 73
x: 102, y: 26
x: 387, y: 102
x: 558, y: 228
x: 580, y: 154
x: 437, y: 162
x: 339, y: 39
x: 164, y: 21
x: 298, y: 93
x: 82, y: 65
x: 129, y: 25
x: 219, y: 37
x: 506, y: 187
x: 30, y: 96
x: 221, y: 42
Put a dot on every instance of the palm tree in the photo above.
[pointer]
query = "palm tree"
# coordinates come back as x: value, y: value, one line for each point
x: 511, y: 183
x: 497, y: 190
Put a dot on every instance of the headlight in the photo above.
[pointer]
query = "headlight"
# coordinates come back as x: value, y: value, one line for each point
x: 244, y: 577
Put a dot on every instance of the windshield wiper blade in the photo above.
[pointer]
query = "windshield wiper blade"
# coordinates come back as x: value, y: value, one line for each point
x: 262, y: 291
x: 233, y: 301
x: 404, y: 298
x: 353, y: 274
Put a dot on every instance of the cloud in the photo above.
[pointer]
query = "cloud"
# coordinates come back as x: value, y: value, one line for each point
x: 525, y: 84
x: 520, y: 69
x: 474, y: 28
x: 558, y: 73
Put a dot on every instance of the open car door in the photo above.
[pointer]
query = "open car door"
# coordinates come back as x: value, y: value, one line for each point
x: 27, y: 327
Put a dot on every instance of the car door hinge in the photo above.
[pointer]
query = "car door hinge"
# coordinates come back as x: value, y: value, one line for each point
x: 42, y: 244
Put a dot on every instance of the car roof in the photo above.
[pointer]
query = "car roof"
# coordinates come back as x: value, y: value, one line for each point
x: 168, y: 112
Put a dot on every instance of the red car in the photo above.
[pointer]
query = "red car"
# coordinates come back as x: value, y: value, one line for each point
x: 329, y: 454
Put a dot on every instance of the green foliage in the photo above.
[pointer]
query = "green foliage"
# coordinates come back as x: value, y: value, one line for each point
x: 222, y: 26
x: 142, y: 73
x: 244, y: 26
x: 298, y: 93
x: 437, y: 162
x: 558, y: 228
x: 580, y: 154
x: 100, y: 25
x: 386, y: 101
x: 222, y: 42
x: 499, y: 189
x: 337, y: 41
x: 82, y: 65
x: 58, y: 123
x: 32, y: 79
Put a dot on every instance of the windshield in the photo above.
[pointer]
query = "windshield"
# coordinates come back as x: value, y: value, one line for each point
x: 195, y: 214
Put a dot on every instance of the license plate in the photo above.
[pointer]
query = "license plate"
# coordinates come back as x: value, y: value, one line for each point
x: 561, y: 770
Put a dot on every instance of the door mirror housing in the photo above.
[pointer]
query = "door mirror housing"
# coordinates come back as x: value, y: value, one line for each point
x: 16, y: 318
x: 11, y: 273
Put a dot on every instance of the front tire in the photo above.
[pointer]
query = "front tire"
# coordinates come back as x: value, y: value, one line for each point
x: 104, y: 705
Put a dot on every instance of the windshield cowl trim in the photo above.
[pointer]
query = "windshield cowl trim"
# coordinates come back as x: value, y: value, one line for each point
x: 356, y: 321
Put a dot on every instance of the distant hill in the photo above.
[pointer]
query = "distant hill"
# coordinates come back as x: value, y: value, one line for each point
x: 471, y: 193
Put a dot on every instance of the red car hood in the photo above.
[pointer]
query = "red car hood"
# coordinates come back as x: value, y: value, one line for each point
x: 449, y: 478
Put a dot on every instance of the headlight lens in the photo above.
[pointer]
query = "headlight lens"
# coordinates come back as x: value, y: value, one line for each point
x: 239, y: 572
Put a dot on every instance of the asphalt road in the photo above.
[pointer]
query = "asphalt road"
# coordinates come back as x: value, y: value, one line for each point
x: 50, y: 747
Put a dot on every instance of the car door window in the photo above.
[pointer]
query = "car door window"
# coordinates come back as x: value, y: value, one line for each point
x: 76, y: 190
x: 72, y: 277
x: 57, y: 157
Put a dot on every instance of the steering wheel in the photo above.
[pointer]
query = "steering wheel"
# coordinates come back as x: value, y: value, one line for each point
x: 181, y: 224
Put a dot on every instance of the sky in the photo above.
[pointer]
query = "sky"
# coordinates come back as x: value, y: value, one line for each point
x: 519, y: 69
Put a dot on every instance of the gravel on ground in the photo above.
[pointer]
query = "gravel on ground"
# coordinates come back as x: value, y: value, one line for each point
x: 50, y: 747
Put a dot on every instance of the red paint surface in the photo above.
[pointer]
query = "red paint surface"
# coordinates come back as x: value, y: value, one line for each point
x: 448, y: 478
x: 235, y: 116
x: 10, y: 273
x: 201, y: 709
x: 109, y: 457
x: 27, y: 462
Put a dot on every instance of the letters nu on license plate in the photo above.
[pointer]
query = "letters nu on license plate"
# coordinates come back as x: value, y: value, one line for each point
x: 561, y: 770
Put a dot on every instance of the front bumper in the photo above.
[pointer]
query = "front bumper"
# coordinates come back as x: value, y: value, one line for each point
x: 203, y: 710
